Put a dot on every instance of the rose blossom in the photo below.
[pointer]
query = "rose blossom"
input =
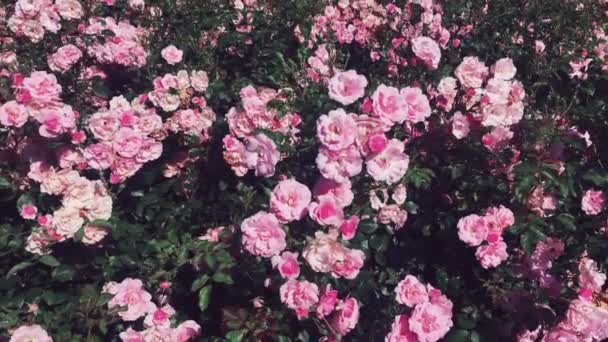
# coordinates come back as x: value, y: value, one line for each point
x: 160, y: 317
x: 472, y: 229
x: 337, y: 130
x: 185, y: 331
x: 389, y: 104
x: 13, y: 114
x: 346, y: 317
x: 430, y: 322
x: 172, y: 55
x: 593, y: 202
x: 504, y: 69
x: 28, y: 211
x: 69, y: 9
x: 410, y: 291
x: 400, y: 331
x: 42, y: 88
x: 589, y: 276
x: 289, y: 200
x: 492, y: 255
x: 261, y: 155
x: 390, y: 165
x: 471, y: 72
x: 326, y: 211
x: 348, y: 228
x: 347, y: 87
x: 339, y: 166
x: 199, y: 80
x: 262, y: 235
x: 299, y: 296
x: 29, y: 333
x: 131, y: 294
x: 287, y: 264
x: 131, y: 335
x: 417, y: 103
x: 127, y: 142
x: 559, y: 334
x: 327, y: 303
x: 67, y: 221
x: 64, y: 58
x: 497, y: 139
x: 460, y: 125
x: 427, y: 50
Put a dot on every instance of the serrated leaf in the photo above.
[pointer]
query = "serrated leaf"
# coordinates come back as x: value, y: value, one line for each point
x: 204, y: 295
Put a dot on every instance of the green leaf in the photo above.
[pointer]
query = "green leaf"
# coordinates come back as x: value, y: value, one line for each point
x: 4, y: 183
x: 100, y: 88
x: 236, y: 335
x: 223, y: 278
x: 79, y: 234
x: 49, y: 260
x: 199, y: 282
x: 63, y: 273
x: 367, y: 226
x: 458, y: 335
x: 379, y: 242
x: 203, y: 297
x: 19, y: 267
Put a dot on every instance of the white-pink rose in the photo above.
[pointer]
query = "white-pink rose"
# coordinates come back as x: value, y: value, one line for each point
x: 13, y: 114
x: 504, y: 69
x: 172, y: 55
x: 472, y: 229
x: 471, y: 72
x: 347, y: 87
x: 262, y: 235
x: 346, y: 317
x: 492, y: 255
x: 337, y: 130
x: 299, y: 296
x: 427, y: 50
x: 64, y: 58
x: 593, y: 202
x: 130, y: 293
x: 410, y: 291
x: 389, y: 104
x: 390, y: 165
x: 30, y: 333
x: 417, y: 103
x: 289, y: 200
x: 287, y: 264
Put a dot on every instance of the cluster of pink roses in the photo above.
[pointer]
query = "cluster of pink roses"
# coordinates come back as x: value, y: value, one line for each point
x: 130, y: 294
x: 125, y: 45
x: 431, y: 315
x: 33, y: 17
x: 258, y: 152
x: 474, y: 230
x: 593, y: 202
x: 390, y: 214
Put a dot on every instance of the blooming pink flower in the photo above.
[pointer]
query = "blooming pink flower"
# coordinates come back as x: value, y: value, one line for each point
x: 42, y: 88
x: 299, y: 296
x: 390, y: 165
x: 28, y: 211
x: 430, y: 322
x: 93, y: 234
x: 262, y: 235
x: 471, y: 72
x: 261, y: 155
x: 497, y: 139
x: 559, y: 334
x: 172, y: 55
x: 27, y: 333
x: 348, y: 228
x: 13, y: 114
x: 346, y: 317
x: 327, y: 303
x: 418, y: 104
x: 472, y: 229
x: 337, y: 130
x: 99, y: 156
x: 326, y: 211
x: 400, y: 331
x: 589, y: 276
x: 339, y: 166
x: 130, y: 293
x: 127, y: 142
x: 392, y: 214
x: 341, y: 192
x: 389, y: 104
x: 347, y: 87
x: 427, y: 50
x: 287, y: 264
x: 289, y: 200
x: 504, y: 69
x: 410, y: 291
x: 160, y: 317
x: 131, y: 335
x: 64, y: 58
x: 185, y: 331
x: 460, y: 125
x: 593, y: 202
x: 492, y: 255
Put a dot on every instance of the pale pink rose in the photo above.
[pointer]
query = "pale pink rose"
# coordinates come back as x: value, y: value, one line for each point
x: 499, y: 219
x: 390, y: 165
x: 417, y: 103
x: 492, y: 255
x: 54, y: 122
x: 67, y: 221
x: 410, y: 291
x: 13, y: 114
x: 287, y: 264
x: 99, y: 156
x: 299, y: 296
x: 235, y: 155
x: 504, y: 69
x: 392, y: 214
x: 342, y: 192
x: 347, y: 87
x: 131, y: 335
x: 104, y: 125
x: 593, y: 202
x: 472, y: 229
x: 261, y: 155
x: 137, y: 4
x: 130, y: 293
x: 529, y: 336
x: 399, y: 194
x: 460, y: 125
x: 471, y: 72
x: 447, y: 90
x: 326, y: 211
x: 127, y: 142
x: 430, y: 322
x: 172, y: 55
x: 497, y: 139
x: 8, y: 58
x: 30, y: 333
x: 349, y: 264
x: 348, y: 228
x: 150, y: 150
x: 212, y: 234
x: 427, y: 50
x: 42, y: 87
x: 337, y: 130
x: 79, y: 194
x: 346, y: 317
x: 559, y: 334
x: 185, y: 331
x: 589, y: 276
x: 28, y: 211
x: 100, y: 209
x: 320, y: 253
x: 93, y: 234
x: 69, y: 9
x: 199, y: 80
x: 64, y: 58
x: 327, y: 303
x: 339, y: 166
x: 539, y: 47
x: 289, y: 200
x: 160, y: 317
x: 389, y: 104
x: 367, y: 127
x: 262, y: 235
x: 400, y: 331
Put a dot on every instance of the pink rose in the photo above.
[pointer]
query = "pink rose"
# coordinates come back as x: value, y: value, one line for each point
x: 339, y: 166
x: 497, y: 139
x: 172, y: 55
x: 160, y: 317
x: 348, y: 264
x: 199, y: 80
x: 504, y: 69
x: 13, y: 114
x: 103, y: 125
x: 69, y: 9
x: 130, y: 293
x: 472, y: 229
x: 410, y: 291
x: 447, y: 90
x: 326, y: 211
x: 42, y: 88
x: 261, y: 155
x: 185, y: 331
x: 341, y: 192
x: 430, y: 322
x: 55, y: 122
x: 327, y: 303
x: 589, y: 276
x: 471, y: 72
x: 325, y: 254
x: 593, y: 202
x: 390, y: 165
x: 377, y: 143
x: 337, y: 130
x: 131, y: 335
x: 28, y: 211
x: 127, y: 142
x: 417, y: 103
x: 262, y: 235
x: 559, y: 334
x: 99, y: 156
x: 492, y: 255
x: 289, y: 200
x: 427, y: 50
x: 400, y: 331
x: 389, y: 104
x: 299, y: 296
x: 93, y: 234
x: 347, y: 87
x: 67, y: 221
x: 287, y: 264
x: 64, y: 58
x: 28, y: 333
x: 499, y: 217
x: 348, y: 228
x: 392, y: 214
x: 346, y: 317
x: 460, y: 125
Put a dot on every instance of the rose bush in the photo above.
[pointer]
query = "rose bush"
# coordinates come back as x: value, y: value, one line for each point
x: 265, y: 170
